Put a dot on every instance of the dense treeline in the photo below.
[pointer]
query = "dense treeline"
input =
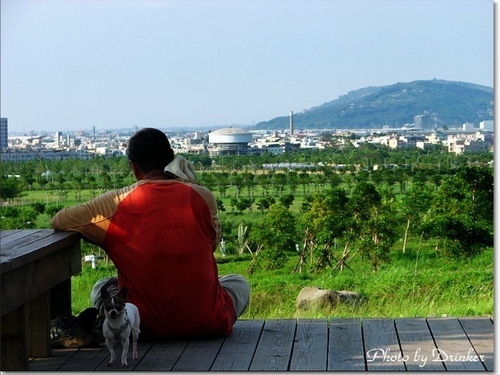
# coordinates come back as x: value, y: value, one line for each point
x: 113, y: 172
x: 353, y: 201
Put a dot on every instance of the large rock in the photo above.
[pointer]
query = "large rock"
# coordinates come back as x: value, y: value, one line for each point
x: 312, y: 298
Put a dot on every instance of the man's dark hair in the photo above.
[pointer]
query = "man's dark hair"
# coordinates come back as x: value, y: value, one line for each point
x: 150, y: 149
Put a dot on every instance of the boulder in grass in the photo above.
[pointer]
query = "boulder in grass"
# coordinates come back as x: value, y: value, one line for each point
x: 347, y: 296
x: 312, y: 298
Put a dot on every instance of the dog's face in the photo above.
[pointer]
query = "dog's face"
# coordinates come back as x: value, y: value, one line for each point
x: 114, y: 306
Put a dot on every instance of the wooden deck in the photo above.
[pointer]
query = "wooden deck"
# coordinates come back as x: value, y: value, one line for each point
x: 406, y: 344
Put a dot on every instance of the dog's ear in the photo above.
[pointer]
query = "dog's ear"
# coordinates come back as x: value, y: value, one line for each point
x: 104, y: 293
x: 124, y: 293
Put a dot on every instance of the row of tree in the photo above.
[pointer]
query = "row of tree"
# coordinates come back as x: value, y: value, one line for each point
x: 114, y: 172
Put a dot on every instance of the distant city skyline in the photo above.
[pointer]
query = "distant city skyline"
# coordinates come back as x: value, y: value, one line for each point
x: 74, y: 65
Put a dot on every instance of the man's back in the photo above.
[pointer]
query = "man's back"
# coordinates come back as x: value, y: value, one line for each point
x: 161, y: 236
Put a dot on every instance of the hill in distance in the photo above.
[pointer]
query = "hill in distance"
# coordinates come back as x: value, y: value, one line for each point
x: 447, y: 102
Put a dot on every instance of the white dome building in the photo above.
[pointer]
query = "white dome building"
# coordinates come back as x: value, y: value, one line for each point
x: 229, y: 141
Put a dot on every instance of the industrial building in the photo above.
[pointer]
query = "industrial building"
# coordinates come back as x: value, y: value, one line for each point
x: 229, y: 141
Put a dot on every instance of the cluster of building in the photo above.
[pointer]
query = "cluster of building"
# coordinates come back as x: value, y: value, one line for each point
x: 239, y: 141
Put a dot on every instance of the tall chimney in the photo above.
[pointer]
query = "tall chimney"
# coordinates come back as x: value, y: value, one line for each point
x: 291, y: 123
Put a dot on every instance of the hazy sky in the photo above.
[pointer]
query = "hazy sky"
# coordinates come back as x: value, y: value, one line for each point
x: 72, y: 65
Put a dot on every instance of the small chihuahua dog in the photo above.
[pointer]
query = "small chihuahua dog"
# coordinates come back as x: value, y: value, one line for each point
x: 122, y: 318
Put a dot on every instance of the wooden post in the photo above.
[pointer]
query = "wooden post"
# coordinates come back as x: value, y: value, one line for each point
x: 14, y: 350
x: 38, y: 321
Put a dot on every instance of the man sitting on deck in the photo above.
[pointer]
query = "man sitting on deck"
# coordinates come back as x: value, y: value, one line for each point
x: 161, y: 233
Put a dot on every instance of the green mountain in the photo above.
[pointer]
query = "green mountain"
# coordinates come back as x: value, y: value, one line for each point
x: 448, y: 103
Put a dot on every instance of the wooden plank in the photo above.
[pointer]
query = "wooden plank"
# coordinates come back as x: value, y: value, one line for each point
x: 7, y: 237
x: 310, y: 346
x: 381, y: 345
x: 39, y: 245
x: 19, y: 245
x: 417, y: 345
x: 454, y: 349
x: 199, y: 355
x: 238, y: 349
x: 481, y: 332
x: 54, y: 362
x: 95, y: 359
x: 8, y: 232
x: 142, y: 348
x: 345, y: 348
x: 275, y: 346
x: 86, y: 359
x: 162, y: 356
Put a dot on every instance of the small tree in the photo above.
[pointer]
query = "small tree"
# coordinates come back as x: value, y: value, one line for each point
x: 375, y: 223
x: 460, y: 234
x: 275, y: 237
x: 11, y: 187
x: 461, y: 218
x: 265, y: 203
x: 39, y: 208
x: 326, y: 222
x: 414, y: 205
x: 479, y: 185
x: 243, y: 203
x: 287, y: 200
